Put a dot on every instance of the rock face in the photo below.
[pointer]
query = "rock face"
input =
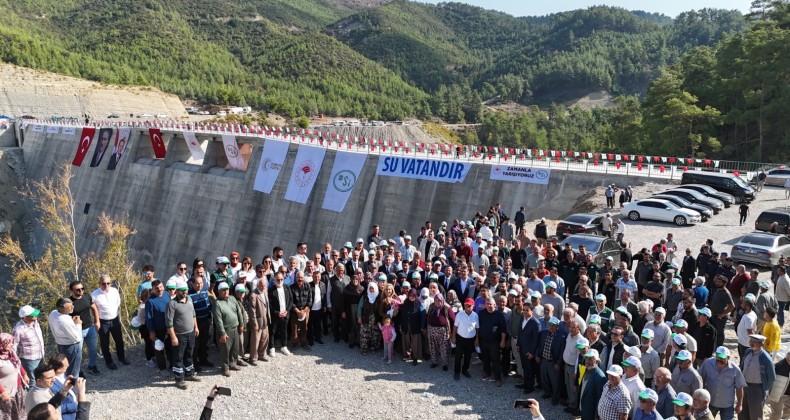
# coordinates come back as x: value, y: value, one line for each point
x: 45, y: 95
x: 15, y: 219
x: 183, y: 209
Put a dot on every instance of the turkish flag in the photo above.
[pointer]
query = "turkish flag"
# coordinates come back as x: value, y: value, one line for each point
x: 85, y: 143
x: 157, y: 142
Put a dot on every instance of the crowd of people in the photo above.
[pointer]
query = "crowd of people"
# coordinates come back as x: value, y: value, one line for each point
x: 638, y: 338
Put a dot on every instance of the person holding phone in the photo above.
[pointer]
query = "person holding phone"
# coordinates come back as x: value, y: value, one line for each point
x: 532, y: 405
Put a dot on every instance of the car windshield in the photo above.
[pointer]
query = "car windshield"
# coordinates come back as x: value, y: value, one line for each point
x: 579, y: 219
x: 759, y: 240
x: 705, y: 188
x: 696, y: 194
x: 591, y: 244
x: 675, y: 199
x: 741, y: 183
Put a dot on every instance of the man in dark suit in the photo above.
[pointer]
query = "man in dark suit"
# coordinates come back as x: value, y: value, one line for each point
x: 317, y: 309
x: 464, y: 286
x: 280, y: 305
x: 335, y: 303
x: 591, y: 386
x: 551, y: 345
x: 527, y: 346
x: 688, y: 269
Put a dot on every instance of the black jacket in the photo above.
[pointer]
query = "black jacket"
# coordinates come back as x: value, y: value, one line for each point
x: 274, y: 302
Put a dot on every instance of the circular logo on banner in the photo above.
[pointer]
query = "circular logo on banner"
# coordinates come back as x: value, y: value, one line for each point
x: 344, y: 180
x: 541, y: 174
x: 268, y: 164
x: 233, y: 151
x: 305, y: 173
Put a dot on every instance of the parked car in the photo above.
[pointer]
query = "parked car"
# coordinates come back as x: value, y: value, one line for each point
x: 599, y: 246
x: 780, y: 215
x: 704, y: 211
x: 697, y: 198
x: 660, y: 210
x: 144, y: 116
x: 775, y: 177
x: 161, y: 116
x: 724, y: 182
x: 114, y: 115
x: 580, y: 223
x: 761, y: 248
x: 725, y: 198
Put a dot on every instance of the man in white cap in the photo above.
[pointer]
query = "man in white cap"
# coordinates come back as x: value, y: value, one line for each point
x: 615, y: 401
x: 223, y: 273
x: 28, y: 339
x: 571, y: 357
x: 748, y: 324
x: 685, y: 378
x: 407, y: 250
x: 551, y: 297
x: 631, y: 367
x: 604, y: 312
x: 646, y: 405
x: 181, y: 330
x: 228, y: 321
x: 108, y: 302
x: 593, y: 380
x: 660, y: 330
x: 725, y: 383
x: 650, y: 358
x: 551, y: 343
x: 758, y: 370
x: 683, y: 406
x: 705, y: 335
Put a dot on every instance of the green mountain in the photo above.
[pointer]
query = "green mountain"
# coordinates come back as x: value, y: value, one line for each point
x: 373, y: 59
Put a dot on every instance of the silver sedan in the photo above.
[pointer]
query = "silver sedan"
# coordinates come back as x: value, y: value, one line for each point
x: 761, y: 248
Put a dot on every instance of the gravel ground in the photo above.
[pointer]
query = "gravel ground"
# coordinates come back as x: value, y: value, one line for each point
x: 336, y: 382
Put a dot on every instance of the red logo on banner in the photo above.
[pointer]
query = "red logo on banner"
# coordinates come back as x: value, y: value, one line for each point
x: 85, y: 143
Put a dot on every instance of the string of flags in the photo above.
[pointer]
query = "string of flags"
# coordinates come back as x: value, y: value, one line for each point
x: 340, y: 141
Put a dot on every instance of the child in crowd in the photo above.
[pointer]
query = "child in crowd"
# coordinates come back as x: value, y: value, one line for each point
x: 388, y: 335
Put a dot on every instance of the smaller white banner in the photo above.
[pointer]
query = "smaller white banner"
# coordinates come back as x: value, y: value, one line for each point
x: 520, y: 174
x: 38, y: 128
x: 53, y: 129
x: 272, y: 159
x: 72, y: 131
x: 305, y: 172
x: 345, y: 174
x: 194, y: 146
x: 232, y: 151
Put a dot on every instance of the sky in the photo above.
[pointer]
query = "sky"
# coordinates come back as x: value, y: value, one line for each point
x: 538, y: 8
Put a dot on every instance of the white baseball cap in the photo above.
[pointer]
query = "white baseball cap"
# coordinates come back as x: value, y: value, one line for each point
x: 615, y: 370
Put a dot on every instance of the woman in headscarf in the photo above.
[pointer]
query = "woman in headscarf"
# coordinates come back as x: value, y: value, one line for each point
x: 412, y: 323
x: 453, y: 302
x: 368, y: 319
x: 440, y: 321
x: 12, y: 379
x: 351, y: 294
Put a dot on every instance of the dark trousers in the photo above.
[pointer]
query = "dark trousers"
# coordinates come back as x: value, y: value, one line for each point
x: 317, y: 320
x: 107, y: 328
x: 338, y: 324
x: 505, y: 359
x: 164, y: 358
x: 610, y: 202
x: 149, y: 345
x: 463, y: 352
x: 530, y: 369
x: 743, y: 219
x: 719, y: 324
x: 279, y: 332
x: 182, y: 356
x: 551, y: 379
x: 201, y: 345
x: 489, y: 352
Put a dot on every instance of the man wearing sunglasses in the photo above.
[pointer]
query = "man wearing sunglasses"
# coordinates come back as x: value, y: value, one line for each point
x: 89, y: 314
x: 108, y: 302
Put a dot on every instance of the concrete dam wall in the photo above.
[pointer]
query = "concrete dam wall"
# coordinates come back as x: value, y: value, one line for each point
x: 184, y: 209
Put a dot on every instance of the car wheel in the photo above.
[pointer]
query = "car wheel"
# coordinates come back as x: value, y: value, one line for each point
x: 633, y: 215
x: 680, y: 220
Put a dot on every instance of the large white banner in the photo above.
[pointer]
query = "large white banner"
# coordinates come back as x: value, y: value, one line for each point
x: 345, y: 173
x: 305, y: 172
x: 232, y: 151
x: 272, y: 159
x: 520, y: 174
x: 430, y: 170
x: 194, y: 146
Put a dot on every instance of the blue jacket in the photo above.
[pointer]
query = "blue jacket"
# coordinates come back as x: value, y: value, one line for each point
x: 557, y: 346
x: 155, y: 310
x: 767, y: 373
x: 588, y: 402
x: 68, y: 408
x: 528, y: 337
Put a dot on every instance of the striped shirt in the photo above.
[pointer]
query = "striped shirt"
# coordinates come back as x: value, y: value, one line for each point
x: 28, y: 340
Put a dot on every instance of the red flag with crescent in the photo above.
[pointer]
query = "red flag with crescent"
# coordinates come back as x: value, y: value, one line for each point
x: 85, y: 143
x: 159, y: 145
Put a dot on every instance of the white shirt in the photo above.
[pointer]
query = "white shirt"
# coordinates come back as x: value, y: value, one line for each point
x: 108, y: 303
x: 635, y: 386
x: 466, y: 325
x: 63, y: 329
x: 748, y: 322
x: 571, y: 353
x: 281, y: 297
x: 316, y: 298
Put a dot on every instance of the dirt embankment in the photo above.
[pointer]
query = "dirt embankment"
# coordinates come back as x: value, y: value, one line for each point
x: 45, y: 95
